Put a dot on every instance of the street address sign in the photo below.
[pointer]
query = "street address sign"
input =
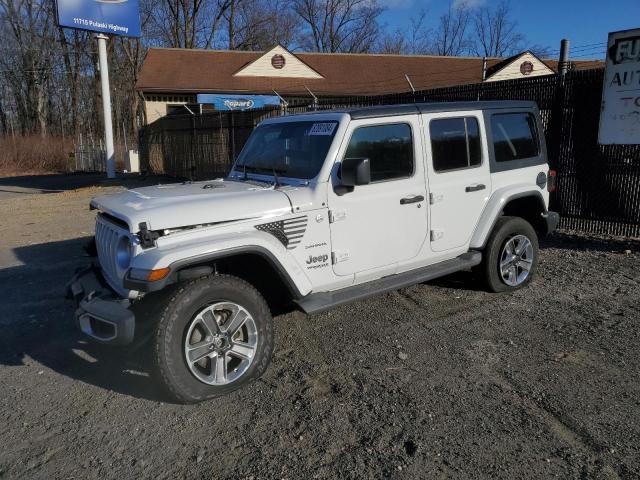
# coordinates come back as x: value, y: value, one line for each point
x: 113, y: 17
x: 620, y: 115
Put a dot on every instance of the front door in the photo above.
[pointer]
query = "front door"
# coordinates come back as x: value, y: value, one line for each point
x: 385, y: 222
x: 459, y: 176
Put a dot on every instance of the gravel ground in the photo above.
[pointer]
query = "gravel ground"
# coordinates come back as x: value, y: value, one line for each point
x: 440, y: 380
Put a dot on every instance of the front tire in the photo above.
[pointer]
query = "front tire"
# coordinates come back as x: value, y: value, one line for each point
x: 214, y: 336
x: 511, y: 255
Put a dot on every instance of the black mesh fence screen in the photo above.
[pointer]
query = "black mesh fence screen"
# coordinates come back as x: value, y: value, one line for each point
x: 598, y: 186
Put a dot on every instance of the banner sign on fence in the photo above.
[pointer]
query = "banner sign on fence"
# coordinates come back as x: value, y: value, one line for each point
x: 620, y: 115
x: 114, y: 17
x: 238, y: 102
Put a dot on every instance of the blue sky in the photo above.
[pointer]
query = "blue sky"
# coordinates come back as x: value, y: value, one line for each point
x: 543, y: 22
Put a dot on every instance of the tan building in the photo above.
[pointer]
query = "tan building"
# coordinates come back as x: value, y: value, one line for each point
x: 211, y: 79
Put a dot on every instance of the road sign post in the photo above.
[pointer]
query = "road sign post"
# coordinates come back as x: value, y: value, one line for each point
x: 115, y: 17
x: 106, y: 105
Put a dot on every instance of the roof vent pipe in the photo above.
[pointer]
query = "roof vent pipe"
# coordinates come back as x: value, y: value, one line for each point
x: 563, y: 64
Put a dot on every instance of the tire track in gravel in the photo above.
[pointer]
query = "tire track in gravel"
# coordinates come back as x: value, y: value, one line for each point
x: 443, y: 310
x: 562, y: 426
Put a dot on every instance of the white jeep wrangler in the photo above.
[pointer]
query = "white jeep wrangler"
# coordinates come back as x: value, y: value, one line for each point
x: 321, y: 209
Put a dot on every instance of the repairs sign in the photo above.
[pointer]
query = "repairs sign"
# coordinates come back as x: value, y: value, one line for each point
x: 620, y: 115
x: 113, y: 17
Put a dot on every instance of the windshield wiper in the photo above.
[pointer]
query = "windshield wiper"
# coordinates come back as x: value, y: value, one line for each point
x: 276, y: 183
x: 269, y: 170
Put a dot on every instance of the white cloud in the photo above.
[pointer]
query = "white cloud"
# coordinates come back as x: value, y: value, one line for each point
x: 469, y: 3
x: 396, y: 3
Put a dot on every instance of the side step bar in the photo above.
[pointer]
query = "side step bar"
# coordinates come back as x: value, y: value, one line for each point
x: 318, y: 302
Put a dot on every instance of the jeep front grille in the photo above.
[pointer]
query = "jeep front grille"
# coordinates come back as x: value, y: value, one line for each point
x: 107, y: 236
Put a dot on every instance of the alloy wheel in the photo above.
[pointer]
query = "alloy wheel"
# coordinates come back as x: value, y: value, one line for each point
x: 220, y: 343
x: 516, y: 260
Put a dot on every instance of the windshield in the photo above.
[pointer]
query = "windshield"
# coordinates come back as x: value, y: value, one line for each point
x: 292, y: 149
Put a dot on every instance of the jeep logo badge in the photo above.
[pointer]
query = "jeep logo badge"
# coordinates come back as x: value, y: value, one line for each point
x: 318, y: 259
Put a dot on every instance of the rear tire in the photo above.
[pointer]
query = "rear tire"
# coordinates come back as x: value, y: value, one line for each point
x: 511, y: 255
x: 214, y: 336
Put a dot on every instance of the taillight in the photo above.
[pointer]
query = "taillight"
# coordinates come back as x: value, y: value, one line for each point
x: 551, y: 181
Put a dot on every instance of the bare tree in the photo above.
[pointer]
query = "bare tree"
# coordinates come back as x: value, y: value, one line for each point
x: 73, y: 46
x: 258, y: 24
x: 394, y: 43
x: 412, y: 41
x: 495, y: 32
x: 339, y: 25
x: 451, y: 37
x: 184, y: 23
x: 27, y: 60
x: 541, y: 51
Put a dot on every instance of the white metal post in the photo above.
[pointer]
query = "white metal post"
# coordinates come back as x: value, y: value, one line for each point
x: 106, y: 105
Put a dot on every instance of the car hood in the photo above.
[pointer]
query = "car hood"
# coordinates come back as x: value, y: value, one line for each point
x: 194, y: 203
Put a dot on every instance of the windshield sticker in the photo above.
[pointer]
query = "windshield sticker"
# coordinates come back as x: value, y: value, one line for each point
x: 322, y: 128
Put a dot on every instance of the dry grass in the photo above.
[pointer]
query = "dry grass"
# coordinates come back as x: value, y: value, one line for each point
x: 31, y: 154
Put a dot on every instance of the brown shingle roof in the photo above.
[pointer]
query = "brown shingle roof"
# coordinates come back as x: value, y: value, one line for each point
x: 182, y: 70
x: 200, y: 71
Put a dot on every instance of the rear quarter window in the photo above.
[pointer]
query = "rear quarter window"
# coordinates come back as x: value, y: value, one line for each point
x: 515, y: 136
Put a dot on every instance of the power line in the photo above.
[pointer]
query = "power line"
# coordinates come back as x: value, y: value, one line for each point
x: 579, y: 48
x: 590, y: 54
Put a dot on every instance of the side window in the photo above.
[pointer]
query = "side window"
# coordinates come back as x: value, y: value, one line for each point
x: 455, y: 143
x: 389, y: 149
x: 514, y: 136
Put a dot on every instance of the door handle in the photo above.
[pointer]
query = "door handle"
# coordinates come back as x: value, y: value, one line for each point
x: 412, y: 199
x: 475, y: 188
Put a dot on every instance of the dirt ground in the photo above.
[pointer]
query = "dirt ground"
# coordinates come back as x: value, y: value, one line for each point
x: 440, y: 380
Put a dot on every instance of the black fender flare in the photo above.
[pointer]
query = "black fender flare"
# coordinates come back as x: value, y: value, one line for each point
x: 183, y: 265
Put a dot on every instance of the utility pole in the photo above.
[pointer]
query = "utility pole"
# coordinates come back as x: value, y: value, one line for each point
x: 563, y: 64
x: 106, y: 105
x: 484, y: 68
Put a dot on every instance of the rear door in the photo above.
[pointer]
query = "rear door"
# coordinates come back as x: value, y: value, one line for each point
x: 385, y: 222
x: 458, y: 175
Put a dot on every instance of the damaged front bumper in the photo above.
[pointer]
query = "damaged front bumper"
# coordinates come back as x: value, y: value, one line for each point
x: 101, y: 314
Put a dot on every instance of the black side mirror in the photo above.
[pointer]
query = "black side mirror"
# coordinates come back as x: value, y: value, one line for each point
x: 355, y: 171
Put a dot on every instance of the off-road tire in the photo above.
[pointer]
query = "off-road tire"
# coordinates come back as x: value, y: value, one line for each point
x: 506, y: 228
x: 171, y: 367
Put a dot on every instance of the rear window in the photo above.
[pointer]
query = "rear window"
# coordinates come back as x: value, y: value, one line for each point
x: 514, y: 136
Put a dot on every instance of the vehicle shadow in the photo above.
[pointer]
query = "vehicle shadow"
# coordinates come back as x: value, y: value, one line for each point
x: 38, y: 324
x: 463, y: 280
x: 571, y: 241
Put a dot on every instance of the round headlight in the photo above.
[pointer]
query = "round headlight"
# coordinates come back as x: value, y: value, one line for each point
x: 123, y: 252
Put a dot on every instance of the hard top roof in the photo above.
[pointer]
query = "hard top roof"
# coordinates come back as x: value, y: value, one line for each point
x: 409, y: 108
